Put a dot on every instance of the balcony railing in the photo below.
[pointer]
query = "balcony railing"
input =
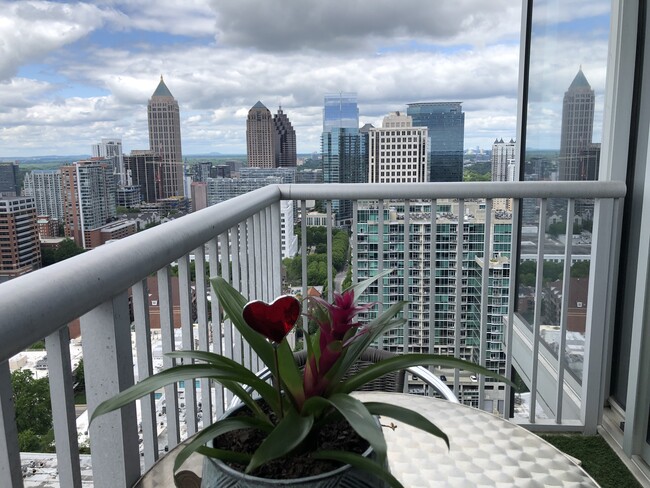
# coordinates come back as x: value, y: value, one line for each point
x: 240, y: 239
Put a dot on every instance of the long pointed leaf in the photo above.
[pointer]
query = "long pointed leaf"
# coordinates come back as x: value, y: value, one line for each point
x: 410, y: 417
x: 248, y: 400
x: 403, y: 361
x: 172, y: 375
x: 360, y: 287
x: 286, y: 436
x: 357, y: 416
x: 233, y: 304
x: 360, y: 462
x: 378, y: 326
x: 223, y: 455
x: 215, y: 430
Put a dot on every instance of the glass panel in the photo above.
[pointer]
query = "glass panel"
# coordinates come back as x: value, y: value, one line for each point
x: 566, y: 88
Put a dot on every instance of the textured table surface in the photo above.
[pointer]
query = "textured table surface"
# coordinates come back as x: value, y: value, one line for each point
x: 485, y: 450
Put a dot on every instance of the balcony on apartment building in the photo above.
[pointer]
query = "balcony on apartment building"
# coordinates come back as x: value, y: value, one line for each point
x: 582, y: 349
x: 246, y: 233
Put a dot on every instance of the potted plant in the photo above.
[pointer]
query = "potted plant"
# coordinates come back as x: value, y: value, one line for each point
x: 289, y: 415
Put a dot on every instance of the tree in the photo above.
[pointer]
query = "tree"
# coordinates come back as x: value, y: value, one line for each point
x: 33, y: 410
x: 580, y: 269
x: 557, y: 229
x: 67, y: 249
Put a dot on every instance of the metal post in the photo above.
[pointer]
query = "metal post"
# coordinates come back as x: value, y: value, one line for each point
x: 10, y: 469
x: 108, y: 369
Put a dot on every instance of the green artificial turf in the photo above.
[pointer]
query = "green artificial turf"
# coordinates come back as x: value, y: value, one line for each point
x: 597, y: 458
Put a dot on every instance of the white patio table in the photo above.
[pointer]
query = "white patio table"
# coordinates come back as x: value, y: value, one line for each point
x: 485, y: 450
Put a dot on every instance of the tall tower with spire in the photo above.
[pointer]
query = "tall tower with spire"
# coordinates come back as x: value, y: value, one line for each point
x: 165, y: 140
x: 577, y: 128
x: 261, y: 137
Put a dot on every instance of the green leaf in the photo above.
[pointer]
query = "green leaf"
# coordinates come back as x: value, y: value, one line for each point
x: 360, y: 462
x: 357, y: 415
x: 378, y: 326
x: 233, y: 304
x: 407, y: 416
x: 360, y: 287
x: 286, y: 436
x: 246, y: 398
x: 172, y: 375
x: 215, y: 430
x: 403, y: 361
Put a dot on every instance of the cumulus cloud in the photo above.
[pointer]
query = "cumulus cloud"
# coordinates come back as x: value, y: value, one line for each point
x: 30, y: 30
x: 346, y: 25
x: 389, y: 54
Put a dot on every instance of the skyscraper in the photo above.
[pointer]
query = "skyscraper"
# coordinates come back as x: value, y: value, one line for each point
x: 503, y: 154
x: 144, y: 169
x: 112, y: 149
x: 340, y: 111
x: 446, y: 124
x: 577, y: 127
x: 344, y: 147
x: 88, y: 198
x: 45, y: 186
x: 20, y: 250
x: 260, y: 137
x: 9, y: 180
x: 165, y: 139
x: 285, y: 147
x: 398, y: 152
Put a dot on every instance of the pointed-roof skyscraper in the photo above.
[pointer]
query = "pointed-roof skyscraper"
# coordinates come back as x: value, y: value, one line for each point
x: 260, y: 137
x: 577, y: 127
x: 165, y: 140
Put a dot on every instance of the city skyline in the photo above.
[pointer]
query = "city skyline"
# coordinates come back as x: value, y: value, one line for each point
x: 72, y: 75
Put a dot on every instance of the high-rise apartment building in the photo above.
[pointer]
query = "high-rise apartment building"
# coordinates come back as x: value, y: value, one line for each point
x: 260, y: 137
x: 20, y: 250
x: 285, y: 147
x: 446, y: 124
x: 398, y: 152
x: 165, y: 140
x: 144, y: 169
x: 222, y: 189
x: 9, y: 180
x: 88, y: 198
x: 577, y: 127
x: 503, y: 155
x: 434, y: 302
x: 111, y: 149
x: 45, y: 186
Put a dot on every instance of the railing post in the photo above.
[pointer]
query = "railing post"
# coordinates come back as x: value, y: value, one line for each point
x: 108, y: 364
x: 600, y: 300
x: 10, y: 471
x: 63, y: 411
x: 140, y: 299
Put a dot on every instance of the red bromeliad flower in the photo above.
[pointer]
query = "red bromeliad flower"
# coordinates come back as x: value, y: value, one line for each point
x: 337, y: 331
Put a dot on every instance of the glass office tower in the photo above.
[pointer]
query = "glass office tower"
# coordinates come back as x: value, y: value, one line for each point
x: 446, y: 124
x: 340, y: 112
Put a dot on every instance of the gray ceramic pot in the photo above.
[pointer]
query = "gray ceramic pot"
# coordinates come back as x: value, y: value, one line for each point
x: 217, y: 474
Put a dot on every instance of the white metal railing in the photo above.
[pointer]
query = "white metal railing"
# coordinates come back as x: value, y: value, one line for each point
x: 240, y: 240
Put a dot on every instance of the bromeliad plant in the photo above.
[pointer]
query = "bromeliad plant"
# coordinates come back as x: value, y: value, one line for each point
x: 302, y: 401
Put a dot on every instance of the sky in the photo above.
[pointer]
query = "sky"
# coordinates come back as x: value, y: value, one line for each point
x: 73, y: 73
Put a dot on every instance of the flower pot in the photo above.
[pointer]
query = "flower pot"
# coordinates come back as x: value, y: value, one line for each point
x: 217, y: 474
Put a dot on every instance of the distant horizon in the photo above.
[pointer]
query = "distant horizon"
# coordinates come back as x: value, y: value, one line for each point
x: 9, y: 159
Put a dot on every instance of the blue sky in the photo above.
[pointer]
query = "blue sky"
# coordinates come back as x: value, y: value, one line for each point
x: 72, y: 73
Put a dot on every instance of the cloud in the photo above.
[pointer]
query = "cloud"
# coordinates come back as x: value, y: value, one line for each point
x: 31, y: 30
x: 344, y: 25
